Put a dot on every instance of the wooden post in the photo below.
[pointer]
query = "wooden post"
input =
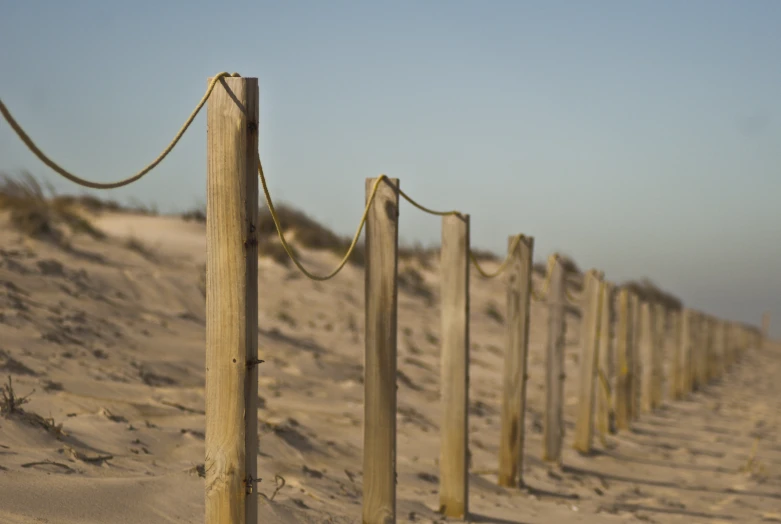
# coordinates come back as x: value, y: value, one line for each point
x: 696, y: 339
x: 702, y: 350
x: 589, y: 344
x: 554, y: 376
x: 231, y: 391
x: 718, y: 348
x: 646, y: 349
x: 512, y: 436
x: 379, y: 419
x: 606, y: 379
x: 674, y: 356
x: 453, y: 458
x: 710, y: 361
x: 637, y: 379
x: 685, y: 353
x: 660, y: 327
x: 624, y: 356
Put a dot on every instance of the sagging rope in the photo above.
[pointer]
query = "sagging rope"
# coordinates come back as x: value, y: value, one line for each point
x: 129, y: 180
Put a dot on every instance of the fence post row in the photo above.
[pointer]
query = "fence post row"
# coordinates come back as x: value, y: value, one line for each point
x: 513, y: 430
x: 454, y: 450
x: 231, y: 389
x: 379, y: 420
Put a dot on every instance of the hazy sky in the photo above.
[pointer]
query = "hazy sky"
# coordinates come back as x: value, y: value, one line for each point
x: 641, y: 138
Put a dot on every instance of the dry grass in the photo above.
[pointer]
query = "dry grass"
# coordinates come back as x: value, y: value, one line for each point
x: 11, y: 406
x: 10, y: 403
x: 646, y: 290
x: 34, y: 214
x: 135, y: 244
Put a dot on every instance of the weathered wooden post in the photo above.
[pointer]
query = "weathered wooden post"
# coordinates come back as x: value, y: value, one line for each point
x: 660, y: 326
x: 674, y: 389
x: 624, y: 379
x: 512, y: 436
x: 696, y: 328
x: 685, y: 353
x: 637, y: 379
x: 231, y: 391
x: 605, y: 399
x: 765, y: 327
x: 554, y: 376
x: 454, y: 450
x: 646, y: 356
x: 589, y: 344
x: 379, y: 418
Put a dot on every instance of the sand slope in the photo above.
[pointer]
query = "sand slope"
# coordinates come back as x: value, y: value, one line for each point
x: 111, y: 338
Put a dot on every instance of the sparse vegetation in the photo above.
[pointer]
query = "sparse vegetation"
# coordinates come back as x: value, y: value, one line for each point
x: 411, y: 280
x: 647, y: 290
x: 34, y: 214
x: 134, y: 244
x: 10, y: 403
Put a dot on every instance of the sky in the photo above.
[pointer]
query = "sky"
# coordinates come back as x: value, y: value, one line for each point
x: 640, y: 138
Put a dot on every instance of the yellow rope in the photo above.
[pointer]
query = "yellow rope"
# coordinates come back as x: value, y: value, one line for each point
x: 290, y: 251
x: 110, y: 185
x: 472, y: 256
x: 425, y: 209
x: 503, y: 265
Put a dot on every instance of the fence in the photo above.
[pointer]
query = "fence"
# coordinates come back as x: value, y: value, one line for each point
x: 622, y: 339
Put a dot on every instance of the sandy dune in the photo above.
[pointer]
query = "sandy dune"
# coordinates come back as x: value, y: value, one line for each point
x: 110, y: 337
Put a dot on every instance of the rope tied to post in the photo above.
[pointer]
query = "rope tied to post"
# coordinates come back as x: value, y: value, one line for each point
x: 120, y: 183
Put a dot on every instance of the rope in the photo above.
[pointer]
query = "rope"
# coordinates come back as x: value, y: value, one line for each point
x: 540, y: 297
x: 472, y: 255
x: 110, y: 185
x: 503, y: 265
x: 286, y: 246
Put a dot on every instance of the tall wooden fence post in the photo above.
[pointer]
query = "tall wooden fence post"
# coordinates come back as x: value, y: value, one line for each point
x: 637, y: 360
x: 554, y: 376
x: 513, y: 431
x: 660, y: 331
x: 674, y: 387
x: 710, y: 361
x: 765, y: 327
x: 606, y: 369
x: 231, y: 391
x: 624, y: 356
x: 646, y: 356
x: 702, y: 350
x: 589, y: 340
x: 454, y: 451
x: 687, y: 351
x: 718, y: 342
x: 379, y: 418
x: 696, y: 343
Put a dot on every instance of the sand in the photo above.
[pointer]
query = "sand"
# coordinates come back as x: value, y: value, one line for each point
x: 109, y: 339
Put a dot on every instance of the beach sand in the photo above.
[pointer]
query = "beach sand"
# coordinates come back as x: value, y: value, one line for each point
x: 107, y: 339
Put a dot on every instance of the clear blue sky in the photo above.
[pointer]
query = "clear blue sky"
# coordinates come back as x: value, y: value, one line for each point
x: 642, y: 138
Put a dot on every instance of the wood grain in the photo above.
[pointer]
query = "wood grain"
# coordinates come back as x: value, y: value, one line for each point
x: 589, y: 346
x: 231, y: 302
x: 379, y: 426
x: 606, y: 382
x: 624, y: 378
x: 453, y: 458
x: 554, y: 376
x: 513, y: 430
